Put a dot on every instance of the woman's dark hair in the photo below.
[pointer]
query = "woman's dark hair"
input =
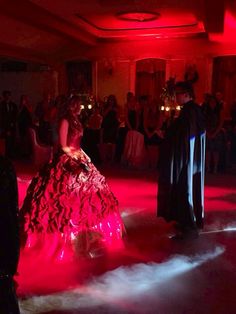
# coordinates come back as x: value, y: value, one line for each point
x: 111, y: 100
x: 73, y: 113
x: 74, y: 105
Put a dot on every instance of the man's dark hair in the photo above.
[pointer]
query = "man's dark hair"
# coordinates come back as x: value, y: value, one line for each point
x: 184, y: 87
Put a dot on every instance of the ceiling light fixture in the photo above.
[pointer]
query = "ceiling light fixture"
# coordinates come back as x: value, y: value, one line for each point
x: 138, y: 16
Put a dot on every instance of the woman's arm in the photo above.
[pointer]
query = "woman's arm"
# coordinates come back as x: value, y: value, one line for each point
x: 63, y: 132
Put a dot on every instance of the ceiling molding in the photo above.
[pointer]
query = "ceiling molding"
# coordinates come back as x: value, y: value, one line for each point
x: 50, y: 30
x: 33, y: 15
x: 119, y: 29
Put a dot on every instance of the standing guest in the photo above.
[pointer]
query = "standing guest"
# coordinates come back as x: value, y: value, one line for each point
x: 181, y: 176
x: 215, y: 136
x: 92, y: 136
x: 43, y: 119
x: 153, y: 133
x: 9, y: 237
x: 69, y: 209
x: 110, y: 125
x: 25, y: 121
x: 8, y: 123
x: 133, y: 154
x: 123, y: 129
x: 132, y: 113
x: 220, y: 99
x: 144, y: 100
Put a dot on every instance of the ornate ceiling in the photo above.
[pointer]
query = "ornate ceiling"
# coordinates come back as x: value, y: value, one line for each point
x: 39, y: 29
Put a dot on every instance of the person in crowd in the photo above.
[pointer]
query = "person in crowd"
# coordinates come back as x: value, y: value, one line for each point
x: 224, y: 159
x: 214, y: 119
x: 69, y: 208
x: 181, y: 171
x: 8, y: 123
x: 25, y: 121
x: 220, y: 99
x: 206, y: 99
x: 110, y: 125
x: 9, y: 237
x: 123, y: 128
x: 143, y: 102
x: 92, y: 135
x: 168, y: 118
x: 133, y: 154
x: 153, y: 132
x: 43, y: 119
x: 132, y: 113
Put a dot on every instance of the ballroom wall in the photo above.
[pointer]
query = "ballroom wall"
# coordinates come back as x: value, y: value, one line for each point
x: 111, y: 76
x: 122, y: 78
x: 178, y: 53
x: 114, y: 66
x: 34, y: 84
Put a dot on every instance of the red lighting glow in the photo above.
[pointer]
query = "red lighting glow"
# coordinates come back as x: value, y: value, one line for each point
x: 229, y: 29
x: 138, y: 16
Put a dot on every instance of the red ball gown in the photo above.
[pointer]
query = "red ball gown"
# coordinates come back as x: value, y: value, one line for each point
x: 69, y: 209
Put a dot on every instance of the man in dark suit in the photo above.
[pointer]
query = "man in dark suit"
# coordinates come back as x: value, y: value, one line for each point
x: 9, y: 237
x: 8, y: 123
x: 181, y: 174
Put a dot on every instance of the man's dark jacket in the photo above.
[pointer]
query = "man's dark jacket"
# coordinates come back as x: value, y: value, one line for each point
x: 181, y: 176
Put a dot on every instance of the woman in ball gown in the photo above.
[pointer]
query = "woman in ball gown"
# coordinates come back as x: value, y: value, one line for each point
x: 69, y: 209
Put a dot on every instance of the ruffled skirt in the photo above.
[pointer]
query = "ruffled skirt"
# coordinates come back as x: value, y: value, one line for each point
x: 69, y: 211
